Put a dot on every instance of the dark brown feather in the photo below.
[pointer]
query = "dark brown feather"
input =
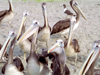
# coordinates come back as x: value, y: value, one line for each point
x: 74, y: 44
x: 68, y: 12
x: 60, y: 25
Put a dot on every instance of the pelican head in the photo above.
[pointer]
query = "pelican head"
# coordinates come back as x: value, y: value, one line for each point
x: 30, y: 31
x: 44, y: 6
x: 59, y: 43
x: 25, y: 13
x: 11, y: 36
x: 76, y: 6
x: 64, y: 5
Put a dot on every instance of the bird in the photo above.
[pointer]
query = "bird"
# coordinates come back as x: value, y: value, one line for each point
x: 26, y: 44
x: 63, y: 26
x: 71, y: 46
x: 33, y: 63
x: 44, y: 32
x: 88, y: 66
x: 7, y: 15
x: 58, y: 48
x: 68, y: 12
x: 12, y: 67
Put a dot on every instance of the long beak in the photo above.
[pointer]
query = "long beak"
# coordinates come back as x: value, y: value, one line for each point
x: 79, y: 9
x: 90, y: 59
x: 22, y: 23
x: 53, y: 47
x: 31, y: 30
x: 4, y: 48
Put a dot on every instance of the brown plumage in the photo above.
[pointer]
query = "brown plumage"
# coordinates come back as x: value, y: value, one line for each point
x: 0, y: 46
x: 74, y: 44
x: 7, y: 15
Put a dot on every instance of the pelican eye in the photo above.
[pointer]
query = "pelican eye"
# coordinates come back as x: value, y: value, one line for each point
x: 96, y: 45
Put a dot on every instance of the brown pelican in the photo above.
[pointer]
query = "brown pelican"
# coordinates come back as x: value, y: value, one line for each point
x: 24, y: 45
x: 68, y: 12
x: 43, y: 32
x: 71, y: 46
x: 58, y: 48
x: 88, y: 66
x: 7, y: 15
x: 10, y: 67
x: 63, y: 25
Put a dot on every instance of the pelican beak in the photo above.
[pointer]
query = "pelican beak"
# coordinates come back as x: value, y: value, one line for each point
x: 79, y: 9
x: 22, y: 23
x: 30, y: 31
x: 53, y: 47
x: 4, y: 48
x: 90, y: 59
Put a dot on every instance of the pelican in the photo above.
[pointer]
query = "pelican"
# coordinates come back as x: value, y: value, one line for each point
x: 71, y: 46
x: 44, y: 32
x: 26, y: 44
x: 7, y: 15
x: 63, y: 26
x: 68, y: 12
x: 88, y: 66
x: 10, y: 67
x: 58, y: 48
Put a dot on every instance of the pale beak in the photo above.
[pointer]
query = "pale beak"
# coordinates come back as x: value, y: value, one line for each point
x: 22, y: 23
x: 31, y: 30
x: 4, y: 48
x: 53, y: 47
x: 90, y: 59
x: 77, y: 7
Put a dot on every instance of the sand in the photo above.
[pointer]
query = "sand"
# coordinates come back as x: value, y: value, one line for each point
x: 87, y: 32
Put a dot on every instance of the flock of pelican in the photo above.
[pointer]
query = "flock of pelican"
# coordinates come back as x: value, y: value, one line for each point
x: 51, y: 61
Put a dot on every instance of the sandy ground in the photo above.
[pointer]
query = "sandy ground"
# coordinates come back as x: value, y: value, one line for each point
x: 87, y: 32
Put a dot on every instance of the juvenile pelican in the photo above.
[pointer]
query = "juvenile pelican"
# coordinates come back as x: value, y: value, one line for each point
x: 44, y: 32
x: 58, y: 48
x: 10, y: 67
x: 7, y: 15
x: 71, y: 46
x: 26, y: 44
x: 68, y: 12
x: 88, y: 66
x: 63, y: 26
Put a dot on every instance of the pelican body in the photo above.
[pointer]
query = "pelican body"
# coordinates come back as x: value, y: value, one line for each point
x: 63, y: 26
x: 88, y: 66
x: 7, y: 15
